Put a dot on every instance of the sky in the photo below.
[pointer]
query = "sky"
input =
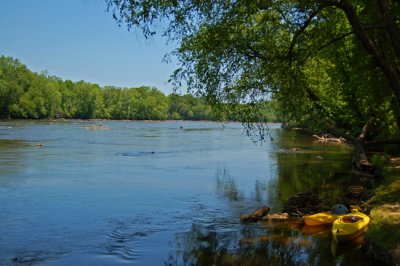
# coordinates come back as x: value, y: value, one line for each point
x: 79, y: 40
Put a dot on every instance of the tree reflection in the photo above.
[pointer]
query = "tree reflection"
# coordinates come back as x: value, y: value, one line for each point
x: 226, y: 185
x: 258, y: 245
x: 280, y: 243
x: 311, y: 166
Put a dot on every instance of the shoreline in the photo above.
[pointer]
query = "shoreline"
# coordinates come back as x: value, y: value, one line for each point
x: 128, y: 120
x: 382, y: 240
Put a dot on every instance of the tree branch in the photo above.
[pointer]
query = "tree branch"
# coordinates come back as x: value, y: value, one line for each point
x: 257, y: 54
x: 388, y: 69
x: 339, y: 38
x: 301, y: 31
x: 365, y: 129
x: 390, y: 25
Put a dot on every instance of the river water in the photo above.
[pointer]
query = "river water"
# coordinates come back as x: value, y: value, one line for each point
x: 160, y: 193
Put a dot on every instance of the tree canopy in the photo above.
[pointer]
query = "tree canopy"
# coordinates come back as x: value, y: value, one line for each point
x: 329, y: 64
x: 25, y: 94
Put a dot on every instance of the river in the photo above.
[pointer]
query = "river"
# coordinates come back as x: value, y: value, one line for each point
x: 160, y: 193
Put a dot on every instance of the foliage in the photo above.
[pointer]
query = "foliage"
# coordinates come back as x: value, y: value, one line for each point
x: 384, y: 230
x: 328, y: 64
x: 14, y: 81
x: 24, y: 94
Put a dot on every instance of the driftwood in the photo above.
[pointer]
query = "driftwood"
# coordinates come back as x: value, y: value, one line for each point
x: 329, y: 138
x: 304, y: 203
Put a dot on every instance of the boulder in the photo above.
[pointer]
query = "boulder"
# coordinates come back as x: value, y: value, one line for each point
x: 276, y: 217
x: 261, y: 212
x: 255, y: 215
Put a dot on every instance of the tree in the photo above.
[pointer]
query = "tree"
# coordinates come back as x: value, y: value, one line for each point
x: 152, y: 105
x: 329, y: 64
x: 15, y: 78
x: 89, y: 100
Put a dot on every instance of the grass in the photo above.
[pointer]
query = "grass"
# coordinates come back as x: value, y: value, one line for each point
x: 383, y: 235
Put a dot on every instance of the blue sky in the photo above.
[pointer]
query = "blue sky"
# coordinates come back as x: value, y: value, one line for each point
x: 79, y: 40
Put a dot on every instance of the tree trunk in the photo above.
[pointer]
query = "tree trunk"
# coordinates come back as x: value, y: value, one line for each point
x: 360, y: 160
x: 388, y: 69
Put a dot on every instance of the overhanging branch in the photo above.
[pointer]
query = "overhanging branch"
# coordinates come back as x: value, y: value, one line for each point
x: 339, y: 38
x: 301, y: 31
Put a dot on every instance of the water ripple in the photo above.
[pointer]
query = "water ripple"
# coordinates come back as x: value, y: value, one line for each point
x: 126, y: 237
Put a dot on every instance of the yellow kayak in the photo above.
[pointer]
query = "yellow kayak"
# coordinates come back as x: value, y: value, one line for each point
x: 349, y: 226
x: 321, y: 218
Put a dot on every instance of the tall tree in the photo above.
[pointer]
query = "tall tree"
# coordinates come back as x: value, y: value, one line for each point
x: 330, y: 64
x: 89, y: 100
x: 15, y: 79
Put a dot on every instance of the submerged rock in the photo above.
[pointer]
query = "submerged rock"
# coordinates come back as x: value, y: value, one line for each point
x: 95, y: 127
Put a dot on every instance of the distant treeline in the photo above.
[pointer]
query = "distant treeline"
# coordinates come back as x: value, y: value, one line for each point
x: 25, y: 94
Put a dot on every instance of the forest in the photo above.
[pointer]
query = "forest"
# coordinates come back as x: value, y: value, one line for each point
x: 28, y: 95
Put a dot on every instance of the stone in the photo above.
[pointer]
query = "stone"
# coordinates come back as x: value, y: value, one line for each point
x: 261, y: 212
x: 256, y: 215
x: 276, y: 217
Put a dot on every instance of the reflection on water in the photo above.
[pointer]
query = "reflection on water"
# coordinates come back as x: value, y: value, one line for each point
x: 278, y: 244
x: 161, y: 193
x: 275, y: 243
x: 309, y: 165
x: 226, y: 185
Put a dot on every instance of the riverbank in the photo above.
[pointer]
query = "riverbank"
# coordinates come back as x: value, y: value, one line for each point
x: 383, y: 235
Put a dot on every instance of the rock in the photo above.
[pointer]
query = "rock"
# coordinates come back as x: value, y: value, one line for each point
x: 276, y: 217
x: 95, y: 127
x: 256, y: 215
x: 261, y: 212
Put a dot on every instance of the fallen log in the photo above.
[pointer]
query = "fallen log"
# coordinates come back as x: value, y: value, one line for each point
x: 328, y: 138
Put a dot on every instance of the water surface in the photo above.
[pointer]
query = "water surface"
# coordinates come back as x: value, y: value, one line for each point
x: 160, y: 193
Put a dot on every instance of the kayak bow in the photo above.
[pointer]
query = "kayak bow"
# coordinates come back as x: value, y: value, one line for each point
x: 350, y: 226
